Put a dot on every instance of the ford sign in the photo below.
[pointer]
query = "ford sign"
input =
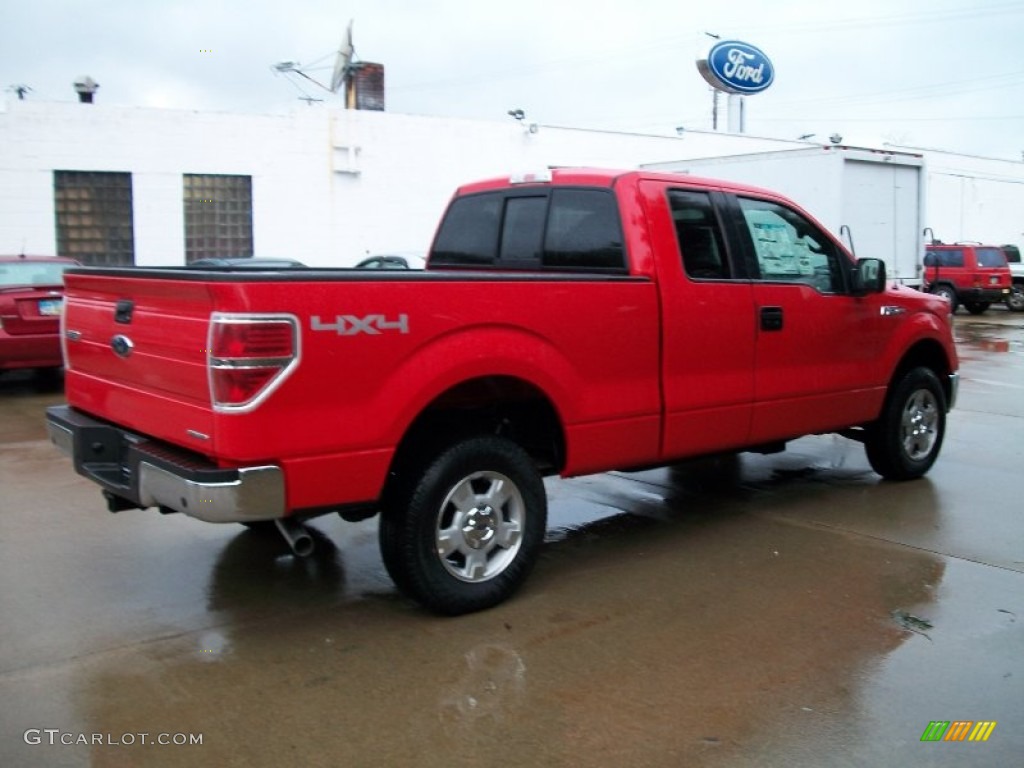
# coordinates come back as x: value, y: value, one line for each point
x: 736, y: 67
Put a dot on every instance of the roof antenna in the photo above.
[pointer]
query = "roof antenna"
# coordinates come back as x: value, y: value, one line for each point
x: 343, y: 61
x: 21, y: 89
x: 340, y: 77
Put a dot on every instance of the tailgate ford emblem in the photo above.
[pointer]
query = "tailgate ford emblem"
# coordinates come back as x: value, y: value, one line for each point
x: 121, y: 345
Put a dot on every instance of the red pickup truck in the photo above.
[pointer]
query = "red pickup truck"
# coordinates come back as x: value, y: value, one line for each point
x: 569, y: 322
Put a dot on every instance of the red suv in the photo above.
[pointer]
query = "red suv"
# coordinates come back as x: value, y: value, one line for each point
x: 967, y: 273
x: 31, y: 296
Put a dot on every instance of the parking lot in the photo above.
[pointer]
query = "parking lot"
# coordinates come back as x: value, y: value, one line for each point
x: 782, y: 610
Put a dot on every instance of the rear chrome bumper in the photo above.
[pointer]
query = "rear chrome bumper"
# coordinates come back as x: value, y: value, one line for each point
x: 134, y: 471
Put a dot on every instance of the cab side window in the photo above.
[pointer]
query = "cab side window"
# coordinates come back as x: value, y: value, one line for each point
x: 789, y: 248
x: 698, y: 235
x: 947, y: 257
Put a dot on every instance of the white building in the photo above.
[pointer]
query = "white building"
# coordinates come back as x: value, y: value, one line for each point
x: 326, y: 186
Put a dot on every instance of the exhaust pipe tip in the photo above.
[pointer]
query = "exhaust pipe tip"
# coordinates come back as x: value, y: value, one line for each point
x: 297, y: 536
x: 302, y: 546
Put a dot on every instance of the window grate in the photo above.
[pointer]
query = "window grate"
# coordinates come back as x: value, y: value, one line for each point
x: 94, y: 217
x: 218, y: 216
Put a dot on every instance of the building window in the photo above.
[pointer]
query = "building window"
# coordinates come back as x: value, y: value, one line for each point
x: 94, y: 216
x: 218, y: 216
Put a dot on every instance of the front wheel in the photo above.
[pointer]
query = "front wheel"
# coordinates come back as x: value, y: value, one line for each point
x: 1015, y: 301
x: 463, y: 532
x: 976, y: 307
x: 905, y: 440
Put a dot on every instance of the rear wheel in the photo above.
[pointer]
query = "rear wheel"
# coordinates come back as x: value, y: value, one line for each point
x: 947, y: 292
x: 466, y: 528
x: 976, y: 307
x: 1015, y: 301
x: 905, y: 441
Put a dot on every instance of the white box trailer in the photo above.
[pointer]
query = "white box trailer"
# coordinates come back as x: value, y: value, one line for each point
x: 878, y: 194
x: 977, y: 199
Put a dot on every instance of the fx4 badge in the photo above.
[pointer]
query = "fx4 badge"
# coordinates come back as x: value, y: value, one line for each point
x: 349, y: 325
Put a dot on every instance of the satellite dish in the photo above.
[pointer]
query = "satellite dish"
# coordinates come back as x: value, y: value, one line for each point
x: 343, y: 61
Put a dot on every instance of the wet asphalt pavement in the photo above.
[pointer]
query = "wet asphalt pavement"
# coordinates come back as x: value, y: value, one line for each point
x: 785, y: 610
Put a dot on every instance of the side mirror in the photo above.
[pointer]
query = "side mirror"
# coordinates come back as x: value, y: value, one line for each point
x: 868, y: 277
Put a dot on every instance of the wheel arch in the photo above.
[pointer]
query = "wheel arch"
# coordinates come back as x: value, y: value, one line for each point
x: 504, y: 405
x: 927, y: 353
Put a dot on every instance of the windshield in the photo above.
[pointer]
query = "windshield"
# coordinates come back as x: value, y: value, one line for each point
x: 31, y: 273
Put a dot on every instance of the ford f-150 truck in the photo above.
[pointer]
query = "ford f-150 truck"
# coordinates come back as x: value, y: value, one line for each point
x: 569, y: 322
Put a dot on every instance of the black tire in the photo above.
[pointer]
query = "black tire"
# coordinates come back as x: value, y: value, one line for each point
x: 261, y: 526
x: 976, y: 307
x: 483, y: 500
x: 905, y: 441
x: 947, y: 292
x: 1015, y: 301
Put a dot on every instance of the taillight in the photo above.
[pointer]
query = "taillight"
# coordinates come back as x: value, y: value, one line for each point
x: 248, y: 357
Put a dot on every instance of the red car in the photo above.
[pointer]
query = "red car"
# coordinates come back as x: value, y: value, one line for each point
x: 31, y: 297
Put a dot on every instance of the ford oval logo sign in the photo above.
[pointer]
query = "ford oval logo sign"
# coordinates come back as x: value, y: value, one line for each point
x: 736, y: 67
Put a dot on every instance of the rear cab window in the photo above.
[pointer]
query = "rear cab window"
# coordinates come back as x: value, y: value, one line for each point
x: 558, y: 229
x: 468, y: 236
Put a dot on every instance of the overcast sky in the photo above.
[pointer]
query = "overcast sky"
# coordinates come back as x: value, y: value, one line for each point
x: 927, y: 73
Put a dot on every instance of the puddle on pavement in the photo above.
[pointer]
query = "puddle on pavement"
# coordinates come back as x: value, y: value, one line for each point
x: 696, y: 490
x: 987, y: 345
x: 988, y: 337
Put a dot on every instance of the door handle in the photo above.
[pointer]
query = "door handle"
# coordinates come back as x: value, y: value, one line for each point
x: 771, y: 318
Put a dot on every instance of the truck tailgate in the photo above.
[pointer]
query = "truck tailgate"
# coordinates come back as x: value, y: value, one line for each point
x: 135, y: 352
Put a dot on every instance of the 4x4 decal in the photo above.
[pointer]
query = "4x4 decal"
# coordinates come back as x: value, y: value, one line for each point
x: 350, y: 325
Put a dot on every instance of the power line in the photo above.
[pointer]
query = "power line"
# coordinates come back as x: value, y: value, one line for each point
x: 651, y: 46
x: 889, y: 119
x: 932, y: 90
x: 930, y: 16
